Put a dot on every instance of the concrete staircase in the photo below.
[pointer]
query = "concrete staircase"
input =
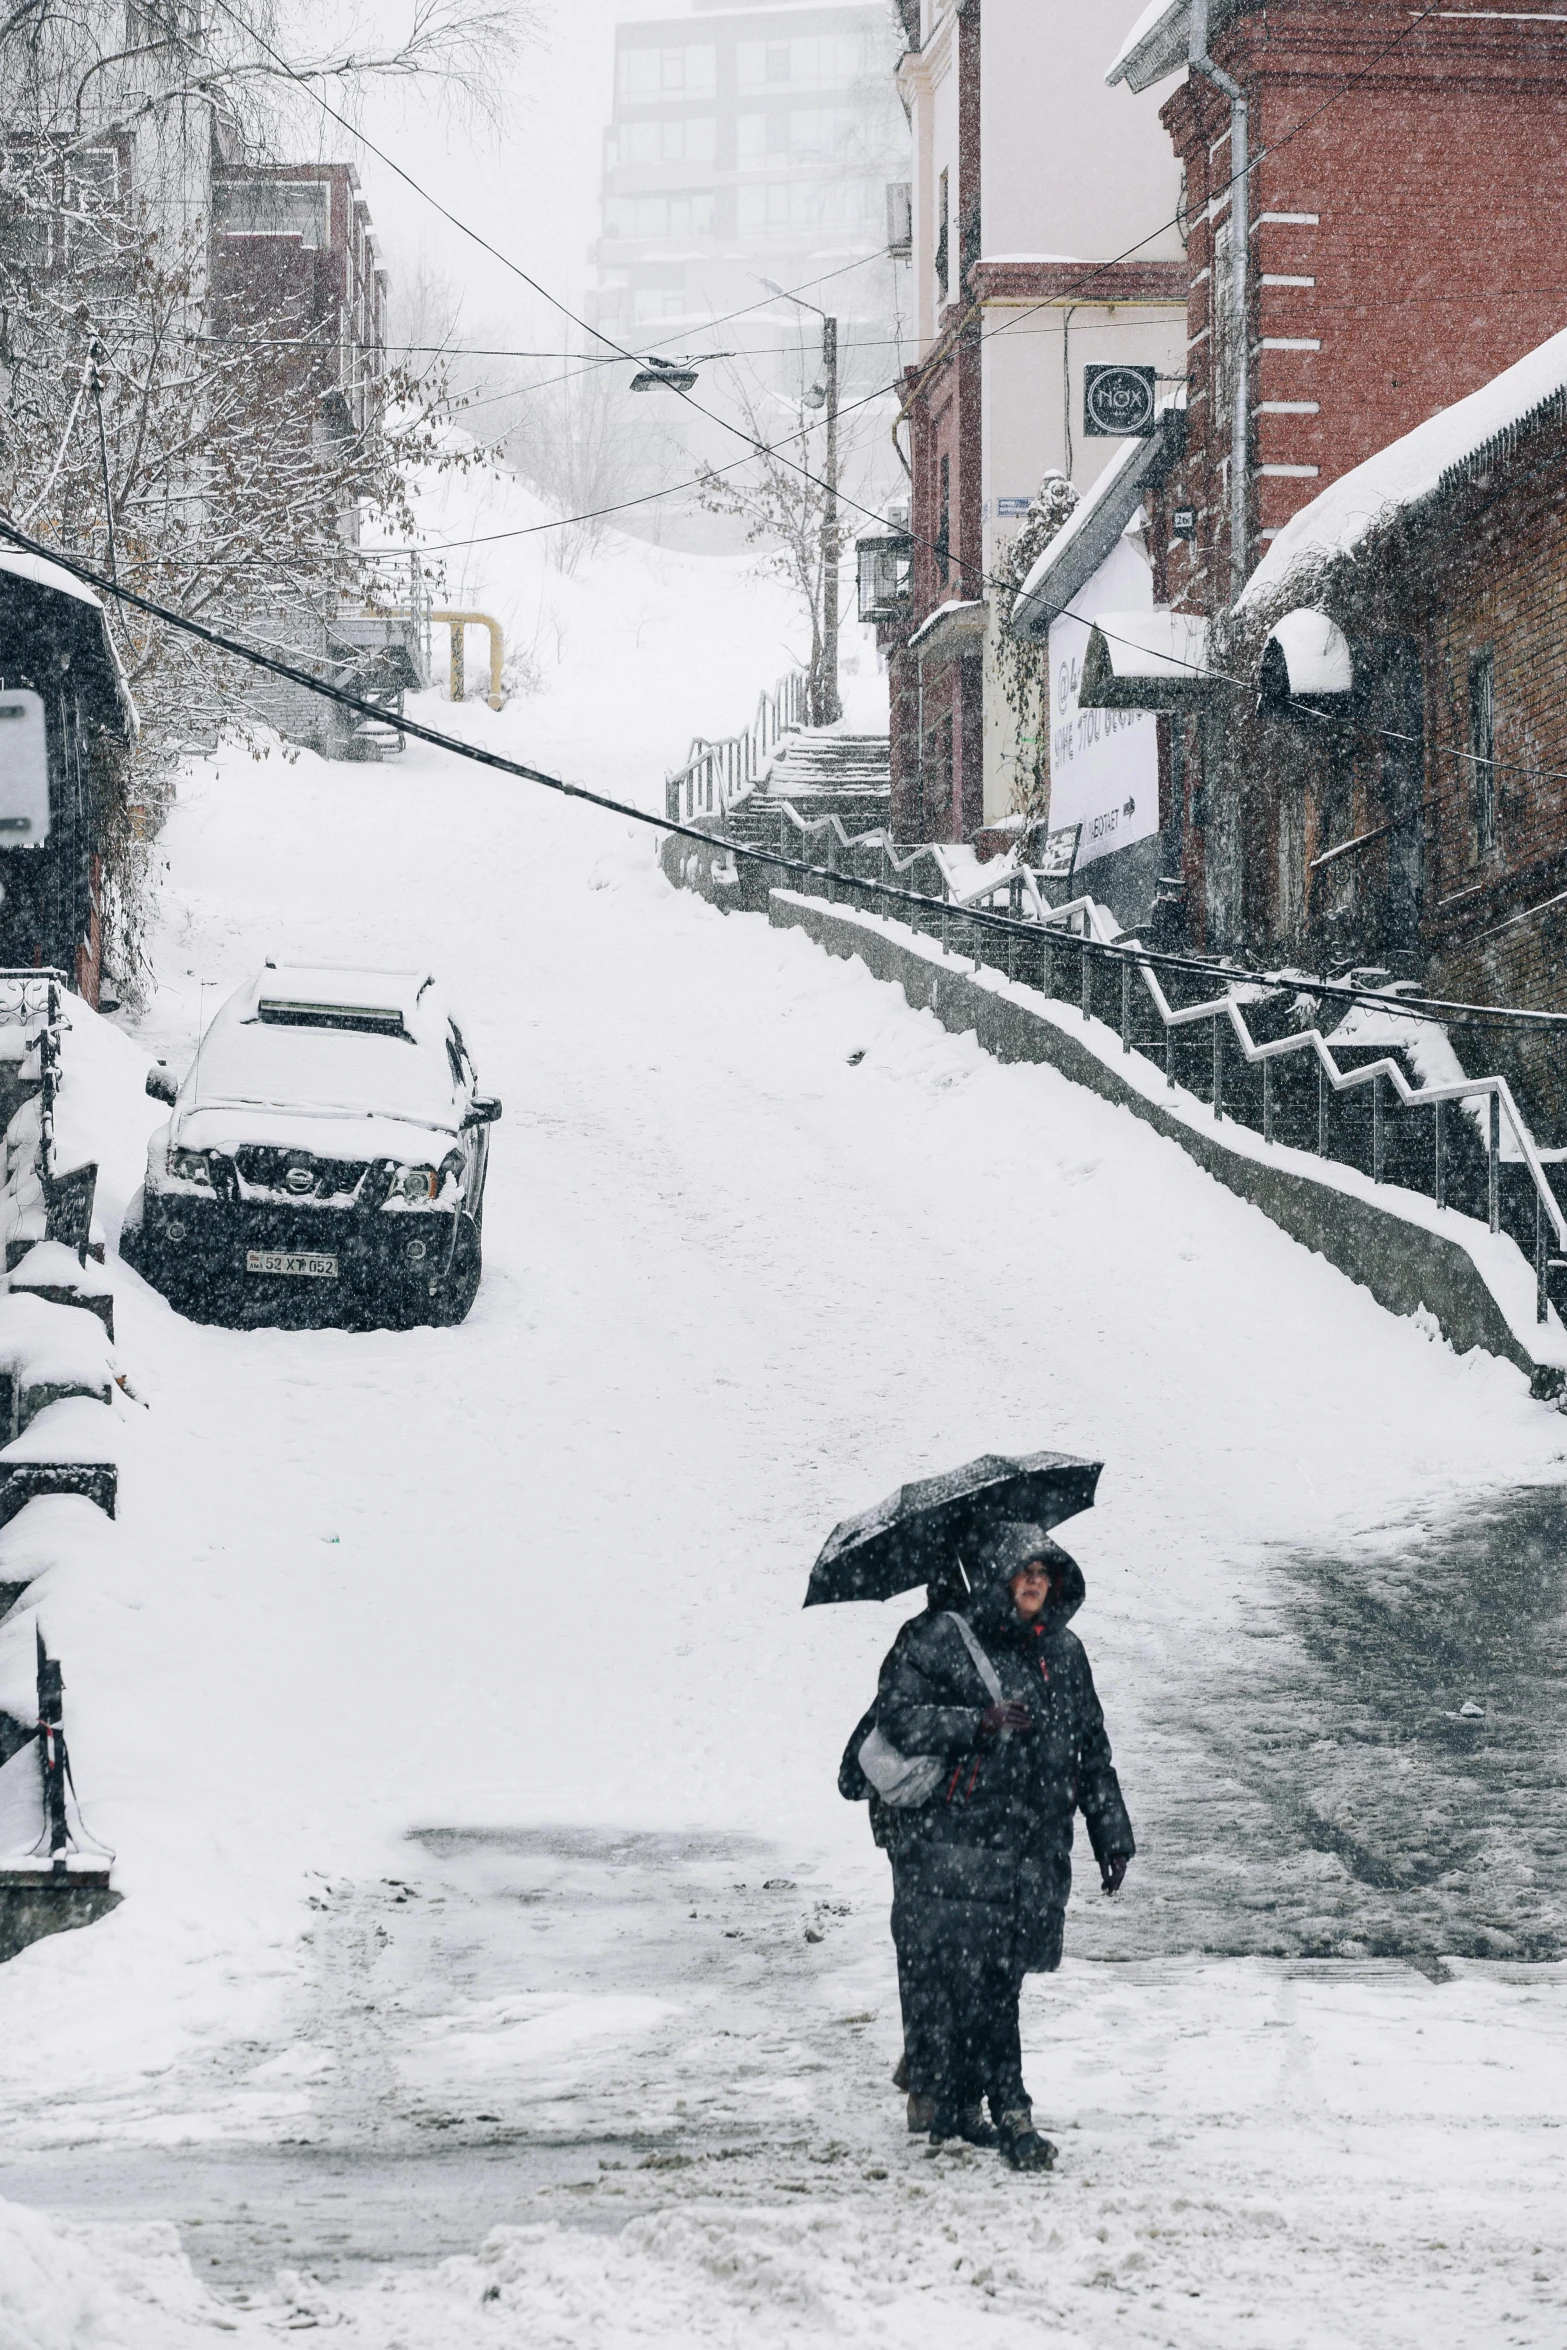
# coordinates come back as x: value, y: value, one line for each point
x: 819, y: 771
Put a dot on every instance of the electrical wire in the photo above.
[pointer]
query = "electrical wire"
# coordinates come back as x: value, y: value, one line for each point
x: 1441, y: 1009
x: 774, y: 450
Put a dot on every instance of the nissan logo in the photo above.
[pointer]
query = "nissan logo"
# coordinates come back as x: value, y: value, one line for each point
x: 300, y: 1179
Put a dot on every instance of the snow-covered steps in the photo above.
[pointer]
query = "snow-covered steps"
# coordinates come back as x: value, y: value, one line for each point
x: 824, y: 758
x: 48, y: 1352
x: 68, y: 1448
x: 51, y: 1271
x: 819, y: 771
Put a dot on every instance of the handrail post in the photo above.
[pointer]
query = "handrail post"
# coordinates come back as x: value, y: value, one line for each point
x: 1322, y: 1109
x: 832, y: 865
x: 1126, y: 1004
x: 1218, y: 1069
x: 1169, y: 1054
x: 1541, y: 1301
x: 1011, y: 954
x: 1085, y: 973
x: 1493, y: 1162
x: 1377, y: 1144
x: 946, y: 922
x: 1047, y: 975
x: 1267, y: 1101
x: 1441, y: 1154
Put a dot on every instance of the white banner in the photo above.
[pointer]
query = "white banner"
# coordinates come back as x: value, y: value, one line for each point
x: 1104, y: 764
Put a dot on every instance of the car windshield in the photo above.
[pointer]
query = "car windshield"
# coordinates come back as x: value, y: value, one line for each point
x: 307, y: 1065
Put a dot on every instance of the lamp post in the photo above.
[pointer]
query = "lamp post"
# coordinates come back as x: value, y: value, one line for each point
x: 824, y: 687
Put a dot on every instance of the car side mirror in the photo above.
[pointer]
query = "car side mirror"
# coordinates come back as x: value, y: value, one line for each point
x: 161, y: 1085
x: 483, y: 1110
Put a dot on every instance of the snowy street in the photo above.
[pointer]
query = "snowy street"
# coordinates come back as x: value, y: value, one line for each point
x: 471, y: 1763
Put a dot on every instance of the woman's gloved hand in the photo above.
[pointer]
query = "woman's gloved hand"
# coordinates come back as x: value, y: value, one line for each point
x: 1112, y: 1871
x: 1013, y: 1715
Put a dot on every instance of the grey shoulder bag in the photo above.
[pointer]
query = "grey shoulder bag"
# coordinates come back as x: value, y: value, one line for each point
x: 907, y: 1780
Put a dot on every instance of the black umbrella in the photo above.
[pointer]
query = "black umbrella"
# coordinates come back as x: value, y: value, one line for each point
x: 918, y: 1533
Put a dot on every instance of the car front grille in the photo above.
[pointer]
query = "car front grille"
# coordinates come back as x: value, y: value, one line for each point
x: 263, y: 1167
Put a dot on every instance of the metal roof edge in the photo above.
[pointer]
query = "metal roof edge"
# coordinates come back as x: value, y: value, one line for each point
x: 1087, y: 537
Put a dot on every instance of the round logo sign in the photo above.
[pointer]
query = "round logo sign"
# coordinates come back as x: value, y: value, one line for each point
x: 1118, y: 401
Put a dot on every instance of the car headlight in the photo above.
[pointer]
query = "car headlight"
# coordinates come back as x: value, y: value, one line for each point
x: 190, y: 1167
x: 413, y: 1183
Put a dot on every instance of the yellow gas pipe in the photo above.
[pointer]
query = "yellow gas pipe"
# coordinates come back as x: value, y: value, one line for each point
x: 457, y: 622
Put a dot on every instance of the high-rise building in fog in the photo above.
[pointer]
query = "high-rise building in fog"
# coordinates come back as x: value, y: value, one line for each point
x: 752, y: 139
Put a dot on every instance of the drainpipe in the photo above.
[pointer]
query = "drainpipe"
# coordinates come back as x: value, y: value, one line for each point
x: 1240, y: 240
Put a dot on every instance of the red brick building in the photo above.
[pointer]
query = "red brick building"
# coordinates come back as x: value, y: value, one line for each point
x: 294, y: 242
x: 1405, y: 202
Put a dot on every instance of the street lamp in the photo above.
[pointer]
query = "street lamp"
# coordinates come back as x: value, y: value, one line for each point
x: 825, y: 395
x: 671, y: 374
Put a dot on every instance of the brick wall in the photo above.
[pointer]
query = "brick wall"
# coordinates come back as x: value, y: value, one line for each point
x: 1409, y: 206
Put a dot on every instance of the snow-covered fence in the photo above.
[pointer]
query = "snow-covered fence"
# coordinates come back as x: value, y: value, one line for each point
x: 58, y: 1389
x: 1093, y: 940
x: 717, y: 774
x: 1250, y: 1049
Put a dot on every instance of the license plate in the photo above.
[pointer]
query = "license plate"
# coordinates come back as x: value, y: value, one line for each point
x: 289, y: 1260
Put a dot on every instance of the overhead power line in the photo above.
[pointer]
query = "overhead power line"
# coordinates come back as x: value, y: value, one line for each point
x: 1421, y: 1007
x: 754, y: 446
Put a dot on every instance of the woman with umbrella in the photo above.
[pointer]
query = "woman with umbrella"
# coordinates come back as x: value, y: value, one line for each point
x: 996, y: 1738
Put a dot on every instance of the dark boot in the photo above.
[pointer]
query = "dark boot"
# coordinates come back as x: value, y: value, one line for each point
x: 1021, y: 2144
x: 900, y: 2079
x: 966, y: 2122
x: 922, y: 2114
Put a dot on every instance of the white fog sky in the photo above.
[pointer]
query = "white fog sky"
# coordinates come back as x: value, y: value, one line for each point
x: 531, y: 189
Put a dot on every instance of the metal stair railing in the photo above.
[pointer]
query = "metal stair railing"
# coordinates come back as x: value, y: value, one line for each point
x: 718, y: 774
x: 1081, y: 928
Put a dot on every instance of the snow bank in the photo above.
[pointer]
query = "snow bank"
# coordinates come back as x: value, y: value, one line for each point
x: 104, y: 2288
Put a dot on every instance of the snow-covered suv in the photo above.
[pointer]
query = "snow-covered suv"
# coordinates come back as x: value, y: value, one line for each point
x: 325, y: 1159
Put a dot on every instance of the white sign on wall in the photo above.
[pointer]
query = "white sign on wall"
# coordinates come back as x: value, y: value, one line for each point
x: 1104, y: 764
x: 24, y: 771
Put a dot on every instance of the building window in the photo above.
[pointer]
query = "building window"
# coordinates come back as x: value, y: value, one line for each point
x: 689, y: 213
x: 944, y: 521
x: 773, y: 207
x: 941, y: 240
x: 272, y: 208
x: 1482, y: 747
x: 676, y: 138
x: 691, y: 71
x: 752, y: 143
x: 813, y: 61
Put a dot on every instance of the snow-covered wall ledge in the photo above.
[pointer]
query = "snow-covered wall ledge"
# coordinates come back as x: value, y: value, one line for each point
x: 1408, y: 1253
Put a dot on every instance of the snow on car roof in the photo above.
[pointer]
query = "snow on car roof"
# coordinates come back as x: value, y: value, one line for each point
x: 248, y: 1061
x: 346, y: 987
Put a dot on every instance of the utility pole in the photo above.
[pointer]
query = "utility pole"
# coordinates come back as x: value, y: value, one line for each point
x: 831, y: 707
x: 827, y: 708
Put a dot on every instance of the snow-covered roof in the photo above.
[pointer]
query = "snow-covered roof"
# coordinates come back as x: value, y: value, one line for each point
x: 324, y: 988
x: 38, y: 571
x: 1085, y: 539
x: 1314, y: 654
x: 41, y: 573
x: 966, y: 613
x: 1419, y: 465
x: 1159, y: 41
x: 1145, y: 660
x: 251, y: 1061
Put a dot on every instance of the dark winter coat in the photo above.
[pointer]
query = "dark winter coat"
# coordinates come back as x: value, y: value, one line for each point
x: 853, y: 1785
x: 998, y: 1831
